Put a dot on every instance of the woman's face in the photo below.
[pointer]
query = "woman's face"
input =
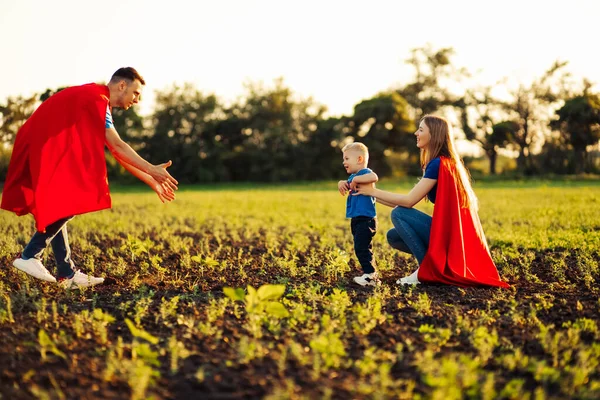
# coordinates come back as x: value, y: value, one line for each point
x: 423, y: 136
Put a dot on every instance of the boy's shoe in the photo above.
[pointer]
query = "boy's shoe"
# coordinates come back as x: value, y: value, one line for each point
x: 80, y: 280
x: 412, y: 279
x: 35, y: 268
x: 368, y: 279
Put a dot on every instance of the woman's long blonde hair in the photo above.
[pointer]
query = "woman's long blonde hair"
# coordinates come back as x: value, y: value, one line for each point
x: 442, y: 145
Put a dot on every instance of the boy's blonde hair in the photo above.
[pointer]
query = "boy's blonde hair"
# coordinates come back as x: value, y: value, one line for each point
x: 359, y: 148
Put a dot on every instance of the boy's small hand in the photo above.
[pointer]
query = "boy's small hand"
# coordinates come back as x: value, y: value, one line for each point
x: 353, y: 185
x: 343, y: 187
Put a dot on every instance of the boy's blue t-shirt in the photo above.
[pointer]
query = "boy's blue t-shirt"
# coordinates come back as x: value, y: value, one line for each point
x: 360, y: 205
x: 432, y: 170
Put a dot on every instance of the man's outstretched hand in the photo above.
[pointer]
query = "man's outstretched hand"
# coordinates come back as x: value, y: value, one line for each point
x: 164, y: 191
x: 160, y: 174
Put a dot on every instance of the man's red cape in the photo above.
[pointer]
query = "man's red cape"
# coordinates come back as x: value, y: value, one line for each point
x: 57, y: 168
x: 458, y: 253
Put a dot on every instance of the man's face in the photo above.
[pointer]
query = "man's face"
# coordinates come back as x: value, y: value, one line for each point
x: 129, y: 93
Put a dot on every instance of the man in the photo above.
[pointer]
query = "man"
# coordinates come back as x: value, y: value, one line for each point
x: 58, y: 170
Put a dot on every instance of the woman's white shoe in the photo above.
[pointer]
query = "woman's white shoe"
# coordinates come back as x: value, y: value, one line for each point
x: 412, y: 279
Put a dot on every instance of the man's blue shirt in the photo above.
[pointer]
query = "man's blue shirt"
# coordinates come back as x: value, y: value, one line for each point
x: 360, y: 205
x: 108, y: 120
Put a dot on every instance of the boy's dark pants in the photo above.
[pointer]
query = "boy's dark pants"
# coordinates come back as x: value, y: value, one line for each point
x: 363, y: 230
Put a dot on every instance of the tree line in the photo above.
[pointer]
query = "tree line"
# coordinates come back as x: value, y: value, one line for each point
x: 271, y: 135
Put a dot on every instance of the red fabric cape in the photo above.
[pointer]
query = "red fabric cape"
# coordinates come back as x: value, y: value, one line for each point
x: 458, y: 253
x: 57, y: 168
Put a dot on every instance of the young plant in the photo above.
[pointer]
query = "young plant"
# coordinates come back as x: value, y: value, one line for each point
x: 422, y: 305
x: 136, y: 247
x: 485, y: 342
x: 336, y: 265
x: 167, y: 310
x: 437, y: 337
x: 260, y: 304
x: 205, y: 263
x: 47, y: 345
x: 368, y: 316
x: 328, y: 352
x: 177, y: 351
x: 6, y: 314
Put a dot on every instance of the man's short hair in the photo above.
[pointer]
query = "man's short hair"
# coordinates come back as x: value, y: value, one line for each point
x: 357, y: 146
x: 127, y: 73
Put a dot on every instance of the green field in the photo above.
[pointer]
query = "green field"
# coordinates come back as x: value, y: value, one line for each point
x: 164, y: 325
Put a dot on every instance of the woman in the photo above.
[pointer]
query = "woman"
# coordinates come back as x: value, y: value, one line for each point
x: 450, y: 247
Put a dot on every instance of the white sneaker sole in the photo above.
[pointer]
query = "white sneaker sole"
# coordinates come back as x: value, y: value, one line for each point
x: 407, y: 281
x: 21, y: 265
x: 361, y: 283
x: 411, y: 279
x: 73, y: 285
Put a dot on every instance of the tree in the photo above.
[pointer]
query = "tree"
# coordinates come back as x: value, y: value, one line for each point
x: 183, y: 123
x: 579, y: 123
x: 477, y: 123
x: 532, y: 106
x: 429, y: 92
x: 383, y: 124
x: 323, y: 150
x: 49, y: 92
x: 276, y: 129
x: 502, y: 134
x: 13, y: 115
x: 128, y: 123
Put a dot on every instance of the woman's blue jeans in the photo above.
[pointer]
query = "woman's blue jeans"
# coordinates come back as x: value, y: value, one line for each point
x: 56, y: 235
x: 410, y: 233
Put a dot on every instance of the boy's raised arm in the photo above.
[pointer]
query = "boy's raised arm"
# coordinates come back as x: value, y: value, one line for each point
x: 371, y: 177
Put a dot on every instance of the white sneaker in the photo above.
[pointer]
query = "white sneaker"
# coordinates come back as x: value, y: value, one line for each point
x: 371, y: 279
x: 35, y: 268
x: 80, y: 280
x: 412, y: 279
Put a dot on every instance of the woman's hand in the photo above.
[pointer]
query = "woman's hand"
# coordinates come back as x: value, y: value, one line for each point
x: 367, y: 189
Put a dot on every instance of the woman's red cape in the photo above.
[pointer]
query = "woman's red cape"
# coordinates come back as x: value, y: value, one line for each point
x: 458, y: 253
x: 58, y: 168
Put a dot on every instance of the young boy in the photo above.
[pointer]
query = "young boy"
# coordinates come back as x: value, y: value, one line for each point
x: 361, y: 209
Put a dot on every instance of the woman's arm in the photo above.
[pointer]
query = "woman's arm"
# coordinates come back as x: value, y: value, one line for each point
x: 385, y: 203
x: 394, y: 199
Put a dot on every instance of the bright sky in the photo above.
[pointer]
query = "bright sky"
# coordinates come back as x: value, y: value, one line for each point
x: 338, y: 52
